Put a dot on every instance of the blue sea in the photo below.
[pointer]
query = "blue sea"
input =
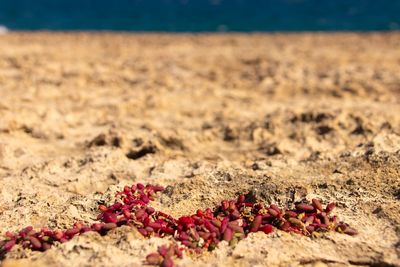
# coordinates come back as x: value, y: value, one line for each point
x: 201, y: 15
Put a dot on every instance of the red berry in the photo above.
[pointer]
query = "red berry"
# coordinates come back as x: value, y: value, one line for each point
x: 167, y: 262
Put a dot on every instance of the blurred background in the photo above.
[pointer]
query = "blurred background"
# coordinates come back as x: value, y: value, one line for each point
x: 201, y: 15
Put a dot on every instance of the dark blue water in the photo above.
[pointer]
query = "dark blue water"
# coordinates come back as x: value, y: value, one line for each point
x: 201, y: 15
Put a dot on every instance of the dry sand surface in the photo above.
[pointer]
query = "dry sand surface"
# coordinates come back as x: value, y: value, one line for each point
x: 290, y: 117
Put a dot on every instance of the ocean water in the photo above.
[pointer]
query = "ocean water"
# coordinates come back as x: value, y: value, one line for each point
x: 201, y: 15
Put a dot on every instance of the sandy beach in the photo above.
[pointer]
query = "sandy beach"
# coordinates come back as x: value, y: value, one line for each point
x: 286, y: 116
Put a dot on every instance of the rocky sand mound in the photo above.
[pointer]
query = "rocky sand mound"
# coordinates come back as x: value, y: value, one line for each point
x: 287, y: 117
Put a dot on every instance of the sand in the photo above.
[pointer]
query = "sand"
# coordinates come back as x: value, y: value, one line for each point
x: 288, y: 116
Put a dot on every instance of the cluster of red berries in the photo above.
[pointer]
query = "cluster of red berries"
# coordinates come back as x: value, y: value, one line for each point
x: 230, y: 221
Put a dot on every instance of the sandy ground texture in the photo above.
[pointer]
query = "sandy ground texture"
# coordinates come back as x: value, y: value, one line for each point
x: 289, y: 117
